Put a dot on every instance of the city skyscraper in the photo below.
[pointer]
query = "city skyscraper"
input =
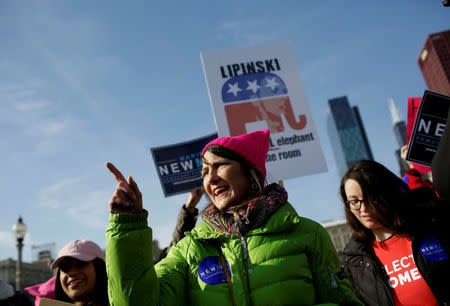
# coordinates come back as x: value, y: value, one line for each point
x: 347, y: 134
x: 434, y: 62
x: 400, y: 134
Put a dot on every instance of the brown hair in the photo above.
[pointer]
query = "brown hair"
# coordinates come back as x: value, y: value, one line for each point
x: 254, y: 175
x: 384, y: 195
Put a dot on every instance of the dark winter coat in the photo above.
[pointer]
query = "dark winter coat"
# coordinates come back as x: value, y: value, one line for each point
x: 364, y: 270
x: 185, y: 222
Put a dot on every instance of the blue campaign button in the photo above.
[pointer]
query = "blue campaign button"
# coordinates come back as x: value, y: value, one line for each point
x: 210, y: 271
x: 432, y: 249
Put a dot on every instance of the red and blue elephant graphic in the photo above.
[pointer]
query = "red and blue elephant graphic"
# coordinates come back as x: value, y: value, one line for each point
x: 256, y: 97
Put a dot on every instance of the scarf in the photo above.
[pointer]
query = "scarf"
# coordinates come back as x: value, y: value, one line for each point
x: 240, y: 219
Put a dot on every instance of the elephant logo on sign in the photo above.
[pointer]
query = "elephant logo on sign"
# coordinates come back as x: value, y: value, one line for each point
x: 266, y: 99
x: 269, y: 110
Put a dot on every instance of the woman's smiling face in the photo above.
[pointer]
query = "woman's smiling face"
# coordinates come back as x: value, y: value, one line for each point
x: 77, y: 278
x: 223, y: 180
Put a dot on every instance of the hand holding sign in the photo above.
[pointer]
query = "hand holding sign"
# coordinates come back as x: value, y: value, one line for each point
x: 127, y: 198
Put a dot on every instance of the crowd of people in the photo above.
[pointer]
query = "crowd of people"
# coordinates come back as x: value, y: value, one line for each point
x: 253, y: 248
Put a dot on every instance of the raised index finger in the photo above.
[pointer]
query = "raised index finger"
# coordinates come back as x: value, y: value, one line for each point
x: 117, y: 174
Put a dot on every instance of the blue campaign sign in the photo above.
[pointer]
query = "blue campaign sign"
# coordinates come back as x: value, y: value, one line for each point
x: 179, y: 165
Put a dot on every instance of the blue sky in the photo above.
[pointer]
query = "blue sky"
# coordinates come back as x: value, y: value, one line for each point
x: 82, y: 83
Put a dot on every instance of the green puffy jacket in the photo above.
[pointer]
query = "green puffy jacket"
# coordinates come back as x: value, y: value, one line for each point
x: 291, y: 260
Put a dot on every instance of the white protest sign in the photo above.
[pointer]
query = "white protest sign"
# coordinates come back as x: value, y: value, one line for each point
x: 50, y: 302
x: 258, y: 88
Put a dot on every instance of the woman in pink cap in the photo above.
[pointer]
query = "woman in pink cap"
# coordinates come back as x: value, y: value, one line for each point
x: 250, y: 249
x: 81, y: 277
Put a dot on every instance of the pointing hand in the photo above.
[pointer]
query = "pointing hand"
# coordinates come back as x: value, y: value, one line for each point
x: 127, y: 198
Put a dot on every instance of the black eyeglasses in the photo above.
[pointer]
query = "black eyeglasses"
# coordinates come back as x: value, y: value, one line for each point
x: 355, y: 204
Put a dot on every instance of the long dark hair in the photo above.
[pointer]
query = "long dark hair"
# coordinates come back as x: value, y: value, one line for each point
x: 100, y: 295
x: 254, y: 175
x: 425, y: 212
x: 384, y: 194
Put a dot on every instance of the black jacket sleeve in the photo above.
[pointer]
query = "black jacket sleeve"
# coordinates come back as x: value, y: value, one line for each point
x: 185, y: 222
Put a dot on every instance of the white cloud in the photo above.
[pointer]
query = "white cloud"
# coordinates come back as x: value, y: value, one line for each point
x: 7, y: 239
x: 24, y: 103
x: 8, y: 248
x: 53, y: 128
x: 230, y: 25
x: 321, y: 68
x: 92, y: 209
x: 248, y: 32
x: 28, y: 106
x: 259, y: 37
x: 77, y: 66
x: 36, y: 83
x: 75, y: 198
x: 6, y: 88
x: 52, y: 196
x: 16, y: 92
x: 31, y: 118
x: 51, y: 136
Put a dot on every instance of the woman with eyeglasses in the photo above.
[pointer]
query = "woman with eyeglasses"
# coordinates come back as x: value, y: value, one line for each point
x: 80, y: 279
x: 386, y: 261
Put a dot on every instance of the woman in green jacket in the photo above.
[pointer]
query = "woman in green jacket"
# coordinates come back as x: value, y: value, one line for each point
x: 251, y: 248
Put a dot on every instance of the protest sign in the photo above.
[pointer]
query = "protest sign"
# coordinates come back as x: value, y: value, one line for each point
x: 413, y: 108
x: 258, y: 88
x: 50, y: 302
x: 179, y: 165
x: 428, y: 128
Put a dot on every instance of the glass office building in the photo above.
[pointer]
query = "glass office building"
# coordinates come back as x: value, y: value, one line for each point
x: 347, y: 135
x: 400, y: 134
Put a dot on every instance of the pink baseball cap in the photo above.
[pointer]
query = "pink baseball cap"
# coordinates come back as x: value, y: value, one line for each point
x: 84, y: 250
x: 252, y: 146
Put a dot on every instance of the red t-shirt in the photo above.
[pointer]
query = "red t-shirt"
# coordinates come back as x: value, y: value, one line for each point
x: 408, y: 286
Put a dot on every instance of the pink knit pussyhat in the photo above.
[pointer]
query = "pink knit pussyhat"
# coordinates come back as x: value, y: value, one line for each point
x: 252, y: 146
